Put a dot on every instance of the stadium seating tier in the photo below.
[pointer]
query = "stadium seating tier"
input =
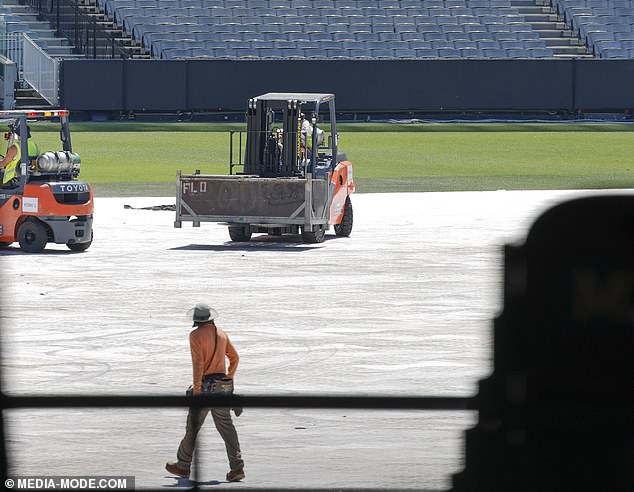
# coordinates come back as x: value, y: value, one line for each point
x: 349, y: 29
x: 342, y: 29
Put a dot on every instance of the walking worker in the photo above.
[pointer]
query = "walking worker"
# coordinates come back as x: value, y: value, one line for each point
x: 209, y: 346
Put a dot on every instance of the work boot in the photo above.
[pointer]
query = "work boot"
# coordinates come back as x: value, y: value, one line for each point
x: 174, y: 469
x: 235, y: 475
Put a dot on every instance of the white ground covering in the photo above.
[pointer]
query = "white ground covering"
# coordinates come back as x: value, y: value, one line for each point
x: 404, y: 306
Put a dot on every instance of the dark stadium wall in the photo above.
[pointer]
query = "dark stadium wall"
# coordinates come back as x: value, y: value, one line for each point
x: 604, y: 84
x: 360, y: 86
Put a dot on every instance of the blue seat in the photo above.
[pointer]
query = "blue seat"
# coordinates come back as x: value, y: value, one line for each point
x: 388, y: 36
x: 434, y: 36
x: 235, y: 3
x: 494, y: 53
x: 405, y: 53
x: 441, y: 44
x: 418, y: 44
x: 622, y: 36
x: 374, y: 45
x: 343, y: 36
x: 298, y: 36
x: 320, y: 36
x: 256, y: 45
x: 426, y: 53
x: 316, y: 53
x: 315, y: 28
x: 175, y: 53
x: 292, y: 53
x: 458, y: 36
x: 284, y: 44
x: 488, y: 45
x: 398, y: 45
x: 480, y: 36
x: 383, y: 53
x: 471, y: 53
x: 511, y: 45
x: 448, y: 53
x: 541, y: 53
x: 360, y: 54
x: 412, y: 36
x: 461, y: 45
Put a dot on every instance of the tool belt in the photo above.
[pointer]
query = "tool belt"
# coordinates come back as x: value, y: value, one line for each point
x: 217, y: 384
x: 214, y: 384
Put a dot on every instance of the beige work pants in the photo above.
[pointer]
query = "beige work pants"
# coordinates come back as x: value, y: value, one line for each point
x: 224, y: 424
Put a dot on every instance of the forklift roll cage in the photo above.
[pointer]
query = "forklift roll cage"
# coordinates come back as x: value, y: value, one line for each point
x: 260, y: 120
x: 22, y: 117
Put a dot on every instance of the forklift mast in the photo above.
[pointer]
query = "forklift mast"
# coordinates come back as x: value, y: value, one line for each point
x: 270, y: 151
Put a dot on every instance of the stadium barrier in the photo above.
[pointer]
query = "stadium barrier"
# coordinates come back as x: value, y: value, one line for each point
x: 519, y: 85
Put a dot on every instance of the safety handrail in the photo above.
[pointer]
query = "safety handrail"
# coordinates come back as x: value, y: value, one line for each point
x: 255, y: 401
x: 41, y: 71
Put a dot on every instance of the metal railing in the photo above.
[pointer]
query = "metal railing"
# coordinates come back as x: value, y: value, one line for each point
x: 3, y: 36
x: 88, y: 37
x: 40, y: 71
x: 15, y: 49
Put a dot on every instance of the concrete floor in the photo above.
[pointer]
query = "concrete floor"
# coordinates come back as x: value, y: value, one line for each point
x: 402, y: 307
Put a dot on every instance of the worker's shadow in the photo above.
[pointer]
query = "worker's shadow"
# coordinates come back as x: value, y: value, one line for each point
x: 187, y: 483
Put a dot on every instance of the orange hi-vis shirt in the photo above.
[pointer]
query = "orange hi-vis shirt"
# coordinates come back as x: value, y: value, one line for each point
x: 201, y: 344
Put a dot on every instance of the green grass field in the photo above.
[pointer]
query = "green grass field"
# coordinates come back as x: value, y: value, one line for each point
x: 142, y: 158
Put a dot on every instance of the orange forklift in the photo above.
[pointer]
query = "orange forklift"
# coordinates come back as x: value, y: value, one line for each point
x: 294, y: 177
x: 45, y: 201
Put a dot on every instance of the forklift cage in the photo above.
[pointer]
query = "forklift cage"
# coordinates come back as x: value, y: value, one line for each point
x: 260, y: 120
x: 22, y: 117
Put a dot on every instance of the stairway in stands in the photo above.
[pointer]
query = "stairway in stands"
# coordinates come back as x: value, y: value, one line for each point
x: 551, y: 28
x: 134, y: 49
x: 22, y: 18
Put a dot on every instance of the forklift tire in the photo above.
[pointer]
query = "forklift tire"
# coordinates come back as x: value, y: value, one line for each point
x: 32, y: 236
x: 344, y: 228
x: 239, y: 234
x: 316, y: 236
x: 80, y: 246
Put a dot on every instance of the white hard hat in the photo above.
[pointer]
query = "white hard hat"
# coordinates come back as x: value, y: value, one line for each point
x: 201, y: 313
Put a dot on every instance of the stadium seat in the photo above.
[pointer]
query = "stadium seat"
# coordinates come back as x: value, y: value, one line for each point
x: 495, y: 53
